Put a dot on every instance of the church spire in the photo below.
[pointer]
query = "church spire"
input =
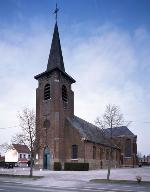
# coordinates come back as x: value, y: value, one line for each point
x: 55, y: 57
x: 55, y: 60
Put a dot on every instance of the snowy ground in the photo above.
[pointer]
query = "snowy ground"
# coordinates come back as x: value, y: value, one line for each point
x: 72, y: 178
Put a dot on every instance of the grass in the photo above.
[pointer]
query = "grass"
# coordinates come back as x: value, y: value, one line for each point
x: 119, y: 181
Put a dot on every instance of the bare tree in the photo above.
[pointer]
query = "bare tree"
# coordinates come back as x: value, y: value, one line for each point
x: 139, y: 156
x: 19, y: 139
x: 27, y: 135
x: 5, y: 146
x: 112, y: 117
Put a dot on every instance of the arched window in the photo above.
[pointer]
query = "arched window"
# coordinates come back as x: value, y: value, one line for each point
x: 101, y: 153
x: 47, y: 92
x: 74, y: 151
x: 94, y: 152
x: 64, y: 93
x: 128, y: 148
x: 107, y: 154
x: 134, y: 148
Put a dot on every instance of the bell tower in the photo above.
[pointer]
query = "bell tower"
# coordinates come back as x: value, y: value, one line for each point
x: 54, y: 103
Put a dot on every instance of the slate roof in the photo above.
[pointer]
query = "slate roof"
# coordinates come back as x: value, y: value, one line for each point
x: 21, y: 148
x: 119, y: 132
x: 55, y: 56
x: 89, y: 131
x: 94, y: 134
x: 46, y: 73
x: 55, y: 60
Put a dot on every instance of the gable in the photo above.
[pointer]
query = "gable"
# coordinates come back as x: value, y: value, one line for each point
x: 21, y: 148
x: 119, y: 132
x: 92, y: 133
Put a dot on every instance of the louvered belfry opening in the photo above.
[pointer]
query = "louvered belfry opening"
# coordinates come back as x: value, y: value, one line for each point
x: 47, y: 92
x: 64, y: 93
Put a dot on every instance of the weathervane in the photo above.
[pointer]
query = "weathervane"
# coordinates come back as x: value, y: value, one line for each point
x: 55, y: 12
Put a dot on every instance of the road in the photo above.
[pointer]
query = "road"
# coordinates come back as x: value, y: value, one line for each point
x: 89, y: 187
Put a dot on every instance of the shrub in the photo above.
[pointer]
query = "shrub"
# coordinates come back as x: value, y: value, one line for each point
x: 138, y: 178
x: 57, y: 166
x: 76, y: 166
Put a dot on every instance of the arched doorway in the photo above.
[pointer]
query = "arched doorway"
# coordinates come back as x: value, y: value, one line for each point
x: 46, y: 158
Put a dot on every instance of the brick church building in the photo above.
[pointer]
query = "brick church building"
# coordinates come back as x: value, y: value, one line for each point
x: 63, y: 137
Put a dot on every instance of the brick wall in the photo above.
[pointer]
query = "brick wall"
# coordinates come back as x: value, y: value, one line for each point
x: 85, y: 150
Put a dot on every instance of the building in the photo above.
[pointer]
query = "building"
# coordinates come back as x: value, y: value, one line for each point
x: 2, y: 161
x: 60, y: 135
x: 19, y: 155
x: 127, y: 142
x: 145, y: 160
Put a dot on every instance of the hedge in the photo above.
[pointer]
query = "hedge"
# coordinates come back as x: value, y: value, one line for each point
x: 57, y: 166
x: 76, y: 166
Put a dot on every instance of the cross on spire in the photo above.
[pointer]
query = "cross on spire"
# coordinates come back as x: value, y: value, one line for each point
x: 56, y: 12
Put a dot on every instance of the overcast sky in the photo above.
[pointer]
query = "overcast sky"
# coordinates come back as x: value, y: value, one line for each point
x: 106, y: 48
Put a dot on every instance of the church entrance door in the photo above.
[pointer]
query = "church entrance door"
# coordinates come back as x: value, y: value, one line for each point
x: 46, y: 158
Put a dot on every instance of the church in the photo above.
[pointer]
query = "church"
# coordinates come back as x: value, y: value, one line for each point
x: 63, y: 137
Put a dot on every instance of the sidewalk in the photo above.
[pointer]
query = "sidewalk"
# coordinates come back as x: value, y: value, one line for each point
x: 72, y: 178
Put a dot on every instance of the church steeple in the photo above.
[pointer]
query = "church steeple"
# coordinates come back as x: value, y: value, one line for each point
x: 55, y: 59
x: 54, y: 104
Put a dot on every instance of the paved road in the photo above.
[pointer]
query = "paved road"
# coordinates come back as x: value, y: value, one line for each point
x: 65, y: 181
x: 14, y: 187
